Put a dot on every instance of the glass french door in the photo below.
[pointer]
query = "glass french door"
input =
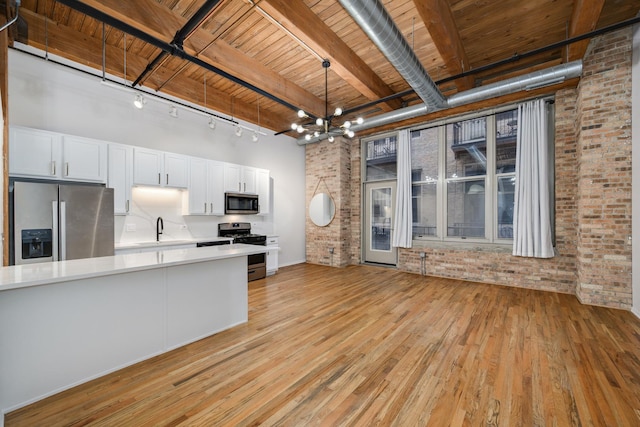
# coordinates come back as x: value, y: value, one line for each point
x: 380, y: 200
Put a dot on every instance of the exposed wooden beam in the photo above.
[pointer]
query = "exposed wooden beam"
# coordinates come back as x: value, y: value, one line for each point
x: 583, y: 19
x: 81, y: 48
x: 218, y: 54
x: 4, y: 99
x: 438, y: 18
x: 298, y: 19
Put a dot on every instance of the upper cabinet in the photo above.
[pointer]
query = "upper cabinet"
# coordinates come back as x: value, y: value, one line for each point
x: 240, y: 179
x: 160, y: 169
x: 121, y: 177
x: 263, y: 183
x: 206, y: 193
x: 35, y: 153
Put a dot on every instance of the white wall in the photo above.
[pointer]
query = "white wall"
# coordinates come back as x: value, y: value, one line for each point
x: 48, y: 96
x: 635, y: 180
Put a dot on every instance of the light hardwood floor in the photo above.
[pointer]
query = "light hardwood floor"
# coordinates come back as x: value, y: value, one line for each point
x: 373, y: 346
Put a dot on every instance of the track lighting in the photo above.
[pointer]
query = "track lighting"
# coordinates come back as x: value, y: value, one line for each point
x: 139, y: 101
x: 212, y: 122
x: 254, y: 137
x: 238, y: 131
x: 173, y: 111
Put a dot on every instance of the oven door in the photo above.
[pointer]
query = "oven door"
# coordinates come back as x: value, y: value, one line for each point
x: 257, y: 266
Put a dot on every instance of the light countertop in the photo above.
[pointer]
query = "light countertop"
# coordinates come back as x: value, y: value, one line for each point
x: 21, y: 276
x: 167, y: 243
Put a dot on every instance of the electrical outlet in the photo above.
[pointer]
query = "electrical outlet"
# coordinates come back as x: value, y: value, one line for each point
x: 331, y: 251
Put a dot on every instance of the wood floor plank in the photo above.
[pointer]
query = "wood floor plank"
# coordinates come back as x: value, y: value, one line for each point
x: 365, y: 346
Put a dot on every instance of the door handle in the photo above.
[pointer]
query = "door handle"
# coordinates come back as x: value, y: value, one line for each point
x: 54, y: 218
x: 63, y: 231
x: 66, y: 169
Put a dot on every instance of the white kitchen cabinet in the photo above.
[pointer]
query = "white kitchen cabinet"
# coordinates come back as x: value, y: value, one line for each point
x: 272, y: 255
x: 36, y: 153
x: 206, y: 187
x: 160, y: 169
x: 176, y: 170
x: 148, y: 166
x: 120, y: 177
x: 240, y: 179
x: 84, y: 159
x: 264, y: 190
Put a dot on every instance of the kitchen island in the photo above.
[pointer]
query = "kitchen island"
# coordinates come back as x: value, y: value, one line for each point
x: 65, y: 323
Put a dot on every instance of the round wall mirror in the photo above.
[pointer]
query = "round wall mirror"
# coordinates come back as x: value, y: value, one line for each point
x: 322, y: 209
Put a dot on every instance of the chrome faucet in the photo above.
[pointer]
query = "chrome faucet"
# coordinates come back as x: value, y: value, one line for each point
x: 159, y: 228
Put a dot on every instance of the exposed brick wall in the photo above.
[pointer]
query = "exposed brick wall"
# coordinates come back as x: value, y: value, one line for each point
x: 604, y: 177
x: 328, y: 170
x: 592, y: 197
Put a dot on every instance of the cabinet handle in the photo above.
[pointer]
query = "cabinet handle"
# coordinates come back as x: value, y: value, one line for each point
x: 53, y: 167
x: 127, y: 206
x: 211, y: 210
x: 66, y: 169
x: 245, y: 186
x: 205, y: 207
x: 239, y: 186
x: 158, y: 178
x: 167, y: 179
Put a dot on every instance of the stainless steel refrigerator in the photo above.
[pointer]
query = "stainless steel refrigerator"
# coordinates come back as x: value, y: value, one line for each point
x: 56, y: 222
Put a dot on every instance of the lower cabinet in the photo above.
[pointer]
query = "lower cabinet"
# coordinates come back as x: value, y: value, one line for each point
x: 272, y: 255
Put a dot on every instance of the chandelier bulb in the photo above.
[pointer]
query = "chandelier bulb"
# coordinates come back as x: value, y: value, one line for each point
x: 347, y: 124
x: 338, y: 112
x: 307, y: 137
x: 331, y: 138
x: 359, y: 120
x: 294, y: 126
x: 319, y: 121
x: 351, y: 134
x: 302, y: 114
x: 300, y: 129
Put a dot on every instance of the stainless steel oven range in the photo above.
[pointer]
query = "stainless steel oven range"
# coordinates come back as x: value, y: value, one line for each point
x: 241, y: 233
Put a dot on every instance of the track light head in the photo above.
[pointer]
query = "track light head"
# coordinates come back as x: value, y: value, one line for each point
x: 212, y: 122
x: 254, y: 137
x: 139, y: 101
x: 238, y: 131
x: 173, y: 111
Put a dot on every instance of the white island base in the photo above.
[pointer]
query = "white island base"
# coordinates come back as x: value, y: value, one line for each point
x: 67, y: 331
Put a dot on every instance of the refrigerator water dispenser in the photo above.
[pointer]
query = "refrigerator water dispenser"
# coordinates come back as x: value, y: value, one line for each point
x: 37, y: 243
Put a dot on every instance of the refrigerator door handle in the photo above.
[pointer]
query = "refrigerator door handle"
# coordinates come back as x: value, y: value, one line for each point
x: 54, y: 214
x: 63, y: 231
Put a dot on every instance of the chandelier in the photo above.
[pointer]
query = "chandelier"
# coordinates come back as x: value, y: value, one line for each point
x: 324, y: 125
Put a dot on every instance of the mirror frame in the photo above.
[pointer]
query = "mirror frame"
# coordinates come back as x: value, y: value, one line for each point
x: 322, y: 209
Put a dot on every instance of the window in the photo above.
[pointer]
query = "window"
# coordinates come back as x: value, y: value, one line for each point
x: 381, y: 158
x: 463, y: 179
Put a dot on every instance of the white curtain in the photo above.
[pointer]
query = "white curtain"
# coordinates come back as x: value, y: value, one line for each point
x: 402, y: 221
x: 531, y: 212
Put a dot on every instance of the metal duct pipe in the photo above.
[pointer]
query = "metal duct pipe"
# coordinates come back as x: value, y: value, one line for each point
x: 533, y: 80
x: 379, y: 26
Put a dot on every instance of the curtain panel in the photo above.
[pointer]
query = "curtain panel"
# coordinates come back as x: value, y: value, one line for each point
x: 403, y: 220
x: 532, y: 215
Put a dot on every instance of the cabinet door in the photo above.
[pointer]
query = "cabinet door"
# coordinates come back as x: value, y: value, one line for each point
x: 215, y: 182
x: 176, y: 170
x: 198, y: 196
x: 264, y: 191
x: 232, y: 177
x: 249, y: 180
x: 147, y: 166
x: 84, y: 159
x: 120, y: 176
x: 34, y: 153
x: 272, y: 255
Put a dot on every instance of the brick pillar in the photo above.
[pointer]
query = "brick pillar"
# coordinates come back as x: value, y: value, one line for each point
x: 328, y: 169
x: 604, y: 173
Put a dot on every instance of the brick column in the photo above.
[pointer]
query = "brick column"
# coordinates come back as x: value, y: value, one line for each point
x: 328, y: 168
x: 604, y: 172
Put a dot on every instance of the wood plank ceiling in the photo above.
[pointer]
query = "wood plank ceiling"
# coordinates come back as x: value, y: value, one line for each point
x: 277, y: 46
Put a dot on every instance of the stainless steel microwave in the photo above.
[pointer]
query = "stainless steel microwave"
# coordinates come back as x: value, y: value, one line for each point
x: 240, y: 203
